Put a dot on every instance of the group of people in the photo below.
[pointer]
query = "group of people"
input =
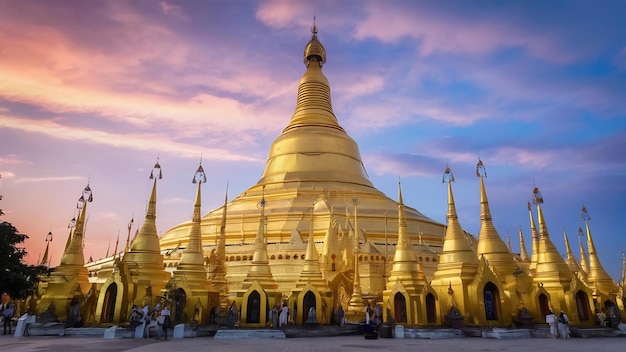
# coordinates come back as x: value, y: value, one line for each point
x: 559, y: 325
x: 160, y: 318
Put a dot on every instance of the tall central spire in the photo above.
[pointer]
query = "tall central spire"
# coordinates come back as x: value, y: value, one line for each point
x: 313, y: 147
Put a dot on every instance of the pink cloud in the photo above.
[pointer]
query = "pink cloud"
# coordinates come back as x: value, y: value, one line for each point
x: 147, y: 142
x: 450, y: 33
x: 174, y: 10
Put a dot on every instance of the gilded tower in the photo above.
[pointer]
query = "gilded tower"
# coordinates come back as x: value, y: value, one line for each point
x: 313, y: 161
x: 70, y: 278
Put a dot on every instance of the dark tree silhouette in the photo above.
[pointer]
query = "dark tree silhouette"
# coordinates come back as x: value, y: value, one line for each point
x: 17, y: 279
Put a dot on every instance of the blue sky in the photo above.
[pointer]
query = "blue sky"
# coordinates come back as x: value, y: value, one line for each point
x: 95, y: 91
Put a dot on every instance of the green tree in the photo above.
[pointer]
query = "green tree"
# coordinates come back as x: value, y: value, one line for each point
x: 17, y: 279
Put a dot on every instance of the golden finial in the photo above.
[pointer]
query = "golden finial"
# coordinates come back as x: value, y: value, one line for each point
x: 200, y: 175
x: 480, y: 166
x: 537, y: 197
x: 314, y: 29
x: 448, y: 176
x: 584, y: 214
x: 155, y: 168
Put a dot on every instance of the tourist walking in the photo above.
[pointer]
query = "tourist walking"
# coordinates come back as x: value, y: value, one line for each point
x: 552, y: 322
x: 563, y: 322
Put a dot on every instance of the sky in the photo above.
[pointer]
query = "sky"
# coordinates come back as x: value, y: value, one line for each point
x: 95, y: 91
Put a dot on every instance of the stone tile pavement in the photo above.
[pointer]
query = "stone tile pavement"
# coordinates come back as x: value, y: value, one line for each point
x: 324, y: 344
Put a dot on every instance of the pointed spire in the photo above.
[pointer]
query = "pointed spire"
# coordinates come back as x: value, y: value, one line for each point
x: 356, y: 300
x: 549, y: 260
x: 534, y: 256
x: 584, y: 259
x: 130, y: 226
x: 405, y: 267
x: 219, y: 274
x: 522, y: 245
x: 74, y: 253
x: 117, y: 242
x: 44, y: 260
x: 570, y: 260
x: 147, y: 240
x: 193, y: 253
x: 456, y: 247
x: 597, y: 275
x: 260, y: 268
x: 508, y: 242
x: 70, y: 226
x: 311, y: 271
x: 490, y: 244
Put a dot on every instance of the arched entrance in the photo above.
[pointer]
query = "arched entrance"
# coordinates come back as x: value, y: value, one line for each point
x: 431, y: 309
x: 308, y: 302
x: 253, y: 313
x: 180, y: 303
x: 492, y: 301
x: 582, y: 304
x: 108, y: 307
x: 399, y: 308
x: 543, y: 306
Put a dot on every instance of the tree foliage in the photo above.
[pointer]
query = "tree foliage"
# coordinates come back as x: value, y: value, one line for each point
x: 17, y: 279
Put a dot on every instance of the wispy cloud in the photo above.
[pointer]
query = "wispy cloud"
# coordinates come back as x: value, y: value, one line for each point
x: 47, y: 179
x: 148, y: 142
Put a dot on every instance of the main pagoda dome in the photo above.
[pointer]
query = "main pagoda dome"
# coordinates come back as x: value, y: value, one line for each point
x: 314, y: 178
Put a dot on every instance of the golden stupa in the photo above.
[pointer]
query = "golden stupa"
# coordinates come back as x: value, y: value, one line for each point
x: 312, y: 180
x: 314, y: 235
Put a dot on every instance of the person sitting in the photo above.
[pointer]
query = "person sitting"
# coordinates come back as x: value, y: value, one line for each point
x: 602, y: 319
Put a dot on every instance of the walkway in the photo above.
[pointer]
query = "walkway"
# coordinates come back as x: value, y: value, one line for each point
x: 326, y: 344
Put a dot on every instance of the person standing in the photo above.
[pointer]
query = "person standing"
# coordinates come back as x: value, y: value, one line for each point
x: 284, y: 315
x: 7, y: 315
x: 552, y: 322
x: 563, y: 322
x: 165, y: 313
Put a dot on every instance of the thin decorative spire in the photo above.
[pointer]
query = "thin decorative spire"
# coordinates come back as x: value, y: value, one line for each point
x: 260, y: 268
x: 74, y: 253
x: 193, y: 252
x: 597, y: 274
x: 534, y: 256
x: 490, y: 244
x: 549, y: 260
x: 584, y: 259
x: 456, y: 247
x: 130, y: 226
x: 523, y: 253
x: 44, y: 260
x: 570, y: 260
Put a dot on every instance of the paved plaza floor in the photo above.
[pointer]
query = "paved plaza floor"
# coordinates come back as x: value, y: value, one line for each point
x: 324, y: 344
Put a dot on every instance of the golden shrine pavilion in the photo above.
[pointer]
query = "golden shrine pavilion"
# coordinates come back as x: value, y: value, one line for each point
x: 315, y: 234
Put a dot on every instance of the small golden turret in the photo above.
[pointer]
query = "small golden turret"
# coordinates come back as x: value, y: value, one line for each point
x: 70, y: 278
x: 311, y: 271
x: 490, y: 244
x: 219, y: 273
x: 584, y: 259
x: 522, y: 245
x: 456, y: 247
x: 144, y: 259
x: 551, y: 266
x: 570, y: 260
x: 597, y: 275
x: 534, y: 255
x: 260, y: 268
